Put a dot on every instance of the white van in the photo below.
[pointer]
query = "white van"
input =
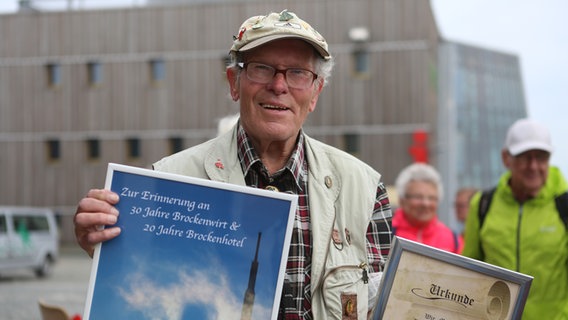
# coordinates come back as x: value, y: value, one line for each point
x: 28, y: 239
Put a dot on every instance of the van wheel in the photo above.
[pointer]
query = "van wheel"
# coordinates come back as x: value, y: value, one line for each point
x: 45, y: 269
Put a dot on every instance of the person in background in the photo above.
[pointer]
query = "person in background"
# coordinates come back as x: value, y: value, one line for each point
x: 461, y: 206
x: 419, y: 189
x: 522, y: 229
x: 341, y: 239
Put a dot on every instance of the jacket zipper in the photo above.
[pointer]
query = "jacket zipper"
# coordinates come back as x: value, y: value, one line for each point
x: 519, y: 238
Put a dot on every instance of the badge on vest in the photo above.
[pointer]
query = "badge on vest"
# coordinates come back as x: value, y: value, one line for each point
x: 337, y: 241
x: 348, y: 306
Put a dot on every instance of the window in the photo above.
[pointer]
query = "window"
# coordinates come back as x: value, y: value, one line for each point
x: 31, y: 223
x: 360, y: 36
x: 95, y: 72
x: 133, y: 148
x: 176, y: 144
x: 93, y: 149
x: 361, y: 62
x: 351, y: 142
x: 53, y: 74
x: 157, y: 69
x: 53, y: 150
x: 3, y: 224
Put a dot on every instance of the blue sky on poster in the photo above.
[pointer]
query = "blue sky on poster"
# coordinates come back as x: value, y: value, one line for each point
x: 536, y: 31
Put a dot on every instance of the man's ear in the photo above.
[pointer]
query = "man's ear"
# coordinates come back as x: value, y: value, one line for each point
x: 506, y: 158
x: 317, y: 90
x: 233, y: 78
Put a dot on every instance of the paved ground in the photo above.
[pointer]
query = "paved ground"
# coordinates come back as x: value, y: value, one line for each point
x: 66, y: 287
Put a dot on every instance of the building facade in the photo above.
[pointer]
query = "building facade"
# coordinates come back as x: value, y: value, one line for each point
x: 481, y: 94
x: 82, y: 88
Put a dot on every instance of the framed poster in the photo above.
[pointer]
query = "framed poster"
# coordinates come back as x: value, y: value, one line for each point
x: 190, y: 249
x: 422, y: 282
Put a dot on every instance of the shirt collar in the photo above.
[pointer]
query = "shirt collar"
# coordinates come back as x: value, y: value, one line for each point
x: 296, y: 164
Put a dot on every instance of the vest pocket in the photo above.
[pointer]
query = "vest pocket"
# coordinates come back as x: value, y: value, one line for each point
x: 345, y: 292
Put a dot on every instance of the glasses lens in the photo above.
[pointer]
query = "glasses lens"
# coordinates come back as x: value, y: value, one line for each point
x: 260, y: 72
x: 422, y: 197
x: 299, y: 78
x: 539, y: 156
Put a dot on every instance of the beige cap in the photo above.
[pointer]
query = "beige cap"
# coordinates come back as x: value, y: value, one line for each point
x: 258, y: 30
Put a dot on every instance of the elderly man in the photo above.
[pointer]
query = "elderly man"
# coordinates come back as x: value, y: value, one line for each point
x: 462, y: 199
x: 518, y: 225
x: 279, y: 67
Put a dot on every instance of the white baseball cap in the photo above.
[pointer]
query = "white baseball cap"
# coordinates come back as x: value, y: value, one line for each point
x: 527, y: 134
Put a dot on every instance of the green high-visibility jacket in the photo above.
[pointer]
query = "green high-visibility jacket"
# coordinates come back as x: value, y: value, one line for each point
x: 529, y: 238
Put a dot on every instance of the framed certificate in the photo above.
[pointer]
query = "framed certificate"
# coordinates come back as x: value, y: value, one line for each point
x: 422, y: 282
x: 190, y: 249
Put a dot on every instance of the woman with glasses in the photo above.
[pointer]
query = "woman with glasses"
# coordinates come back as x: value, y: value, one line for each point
x: 419, y: 189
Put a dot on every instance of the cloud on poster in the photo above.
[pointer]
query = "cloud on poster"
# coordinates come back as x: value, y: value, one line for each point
x: 205, y: 289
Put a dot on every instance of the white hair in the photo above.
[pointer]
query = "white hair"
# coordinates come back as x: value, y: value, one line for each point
x: 418, y: 172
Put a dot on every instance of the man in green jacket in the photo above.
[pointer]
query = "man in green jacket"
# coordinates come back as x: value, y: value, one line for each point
x: 522, y: 229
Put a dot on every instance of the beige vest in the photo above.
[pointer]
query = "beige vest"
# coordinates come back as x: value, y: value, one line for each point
x: 342, y: 192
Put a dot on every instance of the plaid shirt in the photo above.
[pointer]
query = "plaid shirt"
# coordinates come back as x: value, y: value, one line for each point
x: 293, y: 178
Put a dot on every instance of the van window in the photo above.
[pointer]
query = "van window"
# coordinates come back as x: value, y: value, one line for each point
x: 3, y: 226
x: 31, y: 223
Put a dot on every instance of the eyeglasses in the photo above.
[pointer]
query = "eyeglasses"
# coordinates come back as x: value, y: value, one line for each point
x: 296, y: 78
x: 525, y: 158
x: 421, y: 197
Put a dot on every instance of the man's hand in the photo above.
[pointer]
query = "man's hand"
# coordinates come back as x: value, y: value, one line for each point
x: 94, y: 212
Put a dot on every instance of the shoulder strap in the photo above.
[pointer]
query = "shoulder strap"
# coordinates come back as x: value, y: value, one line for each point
x: 456, y: 242
x: 487, y: 195
x: 484, y: 203
x: 562, y: 207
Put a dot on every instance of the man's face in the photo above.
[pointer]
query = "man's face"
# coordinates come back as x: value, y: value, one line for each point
x: 529, y: 171
x: 420, y: 202
x: 462, y: 205
x: 273, y: 112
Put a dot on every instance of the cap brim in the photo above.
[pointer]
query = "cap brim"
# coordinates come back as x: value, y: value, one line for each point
x: 258, y: 42
x: 524, y: 147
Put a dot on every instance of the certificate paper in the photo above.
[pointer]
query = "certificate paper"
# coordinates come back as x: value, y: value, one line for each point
x: 190, y: 249
x: 425, y: 283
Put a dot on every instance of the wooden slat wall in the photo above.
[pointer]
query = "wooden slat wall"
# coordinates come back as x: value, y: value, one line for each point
x: 193, y: 40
